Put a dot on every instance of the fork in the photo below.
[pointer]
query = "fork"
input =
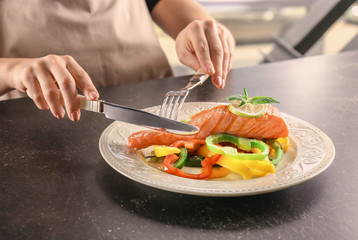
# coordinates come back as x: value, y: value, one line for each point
x: 173, y: 100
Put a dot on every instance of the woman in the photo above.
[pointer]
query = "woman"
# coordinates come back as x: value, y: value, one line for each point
x: 51, y: 48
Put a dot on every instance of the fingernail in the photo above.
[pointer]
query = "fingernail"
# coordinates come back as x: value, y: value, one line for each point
x: 223, y: 82
x: 93, y: 95
x: 75, y: 116
x: 219, y: 81
x: 211, y: 70
x: 61, y: 115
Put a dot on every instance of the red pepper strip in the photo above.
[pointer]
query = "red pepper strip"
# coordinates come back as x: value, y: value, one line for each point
x: 207, y: 163
x: 206, y: 172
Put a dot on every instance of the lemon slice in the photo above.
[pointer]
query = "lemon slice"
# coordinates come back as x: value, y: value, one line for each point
x: 247, y: 110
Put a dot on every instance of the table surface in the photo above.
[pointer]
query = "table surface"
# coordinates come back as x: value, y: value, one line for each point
x: 54, y: 183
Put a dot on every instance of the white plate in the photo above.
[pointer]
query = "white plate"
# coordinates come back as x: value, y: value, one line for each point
x: 310, y: 153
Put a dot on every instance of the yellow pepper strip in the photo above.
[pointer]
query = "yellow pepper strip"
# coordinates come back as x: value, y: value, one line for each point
x: 257, y: 173
x: 219, y: 172
x: 259, y: 165
x: 203, y: 151
x: 247, y: 168
x: 284, y: 142
x: 161, y: 151
x: 255, y: 150
x: 235, y: 165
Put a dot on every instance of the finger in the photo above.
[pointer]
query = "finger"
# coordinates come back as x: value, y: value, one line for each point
x: 82, y: 79
x: 201, y: 50
x: 231, y: 44
x: 67, y: 86
x: 31, y: 86
x: 33, y: 90
x: 230, y: 57
x: 50, y: 92
x: 226, y: 58
x: 216, y: 53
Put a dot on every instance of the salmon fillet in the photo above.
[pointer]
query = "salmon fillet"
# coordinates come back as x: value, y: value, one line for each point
x: 218, y: 120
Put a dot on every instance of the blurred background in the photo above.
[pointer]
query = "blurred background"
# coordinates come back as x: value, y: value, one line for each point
x: 254, y: 23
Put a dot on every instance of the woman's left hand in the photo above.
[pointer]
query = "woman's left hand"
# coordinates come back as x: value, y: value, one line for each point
x: 208, y: 45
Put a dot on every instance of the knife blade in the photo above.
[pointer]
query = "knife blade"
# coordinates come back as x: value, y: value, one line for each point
x: 136, y: 116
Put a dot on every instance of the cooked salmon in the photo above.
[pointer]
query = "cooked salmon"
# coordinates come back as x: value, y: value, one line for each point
x: 218, y: 120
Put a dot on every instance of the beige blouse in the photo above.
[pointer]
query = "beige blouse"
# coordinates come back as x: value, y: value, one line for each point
x: 113, y: 40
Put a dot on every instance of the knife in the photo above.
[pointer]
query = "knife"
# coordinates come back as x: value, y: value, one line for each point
x: 136, y: 116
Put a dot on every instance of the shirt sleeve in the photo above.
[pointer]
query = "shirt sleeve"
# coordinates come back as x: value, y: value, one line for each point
x: 151, y: 4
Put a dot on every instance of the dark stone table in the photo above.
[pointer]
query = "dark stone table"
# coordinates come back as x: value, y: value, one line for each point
x: 54, y: 183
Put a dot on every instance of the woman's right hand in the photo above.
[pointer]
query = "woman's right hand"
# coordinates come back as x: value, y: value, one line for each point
x: 52, y: 82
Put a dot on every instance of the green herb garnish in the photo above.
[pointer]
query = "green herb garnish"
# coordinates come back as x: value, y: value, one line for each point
x: 245, y: 99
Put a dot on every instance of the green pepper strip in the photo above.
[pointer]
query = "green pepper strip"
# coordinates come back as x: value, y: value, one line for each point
x: 182, y: 159
x: 242, y: 143
x: 206, y: 171
x: 278, y: 152
x: 194, y: 161
x: 207, y: 163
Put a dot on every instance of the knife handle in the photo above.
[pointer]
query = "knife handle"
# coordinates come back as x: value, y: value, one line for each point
x: 93, y: 106
x: 84, y: 103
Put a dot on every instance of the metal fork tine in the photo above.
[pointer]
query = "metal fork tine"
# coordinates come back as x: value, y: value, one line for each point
x: 163, y: 105
x: 175, y: 105
x: 180, y: 104
x: 168, y: 106
x: 174, y: 100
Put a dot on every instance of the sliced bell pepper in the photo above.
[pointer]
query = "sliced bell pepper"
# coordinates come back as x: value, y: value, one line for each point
x: 178, y: 147
x: 255, y: 173
x: 247, y: 168
x: 204, y: 151
x: 194, y: 161
x: 182, y: 159
x: 161, y: 151
x: 242, y: 143
x: 235, y: 166
x: 278, y: 152
x: 284, y: 142
x: 207, y: 163
x: 194, y: 143
x: 219, y: 172
x: 206, y: 172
